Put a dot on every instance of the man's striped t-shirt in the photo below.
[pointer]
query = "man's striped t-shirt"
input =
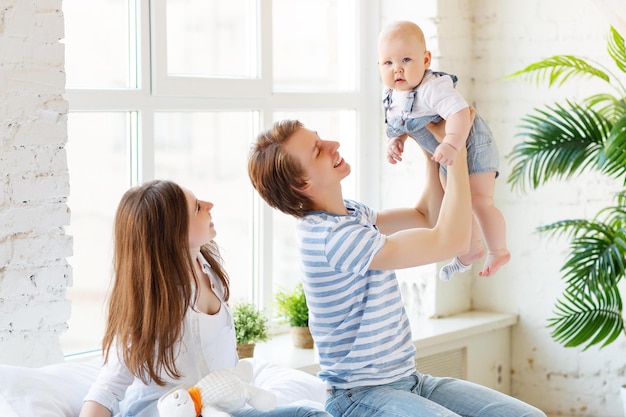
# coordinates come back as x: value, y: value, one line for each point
x: 356, y: 315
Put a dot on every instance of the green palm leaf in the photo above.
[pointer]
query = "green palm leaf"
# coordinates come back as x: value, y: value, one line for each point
x: 617, y: 49
x: 597, y: 257
x: 594, y: 261
x: 588, y: 318
x: 559, y: 143
x: 607, y: 105
x: 558, y: 69
x: 614, y: 156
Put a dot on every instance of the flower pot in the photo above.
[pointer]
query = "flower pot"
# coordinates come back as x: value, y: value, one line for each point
x: 622, y: 394
x: 245, y: 350
x: 301, y: 337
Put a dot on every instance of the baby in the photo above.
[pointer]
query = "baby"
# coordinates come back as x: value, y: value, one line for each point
x: 414, y: 95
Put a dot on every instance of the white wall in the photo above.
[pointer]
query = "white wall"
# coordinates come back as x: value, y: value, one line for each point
x: 480, y: 40
x: 509, y: 35
x: 34, y: 273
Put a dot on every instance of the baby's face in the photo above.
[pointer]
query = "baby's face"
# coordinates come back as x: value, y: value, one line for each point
x: 402, y: 61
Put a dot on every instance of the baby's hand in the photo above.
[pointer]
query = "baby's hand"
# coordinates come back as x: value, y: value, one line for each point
x: 445, y: 154
x: 395, y: 148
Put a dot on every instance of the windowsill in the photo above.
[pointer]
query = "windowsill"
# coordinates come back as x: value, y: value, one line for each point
x: 429, y: 332
x: 426, y: 333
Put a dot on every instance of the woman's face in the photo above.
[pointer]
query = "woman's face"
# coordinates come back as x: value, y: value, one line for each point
x: 201, y: 229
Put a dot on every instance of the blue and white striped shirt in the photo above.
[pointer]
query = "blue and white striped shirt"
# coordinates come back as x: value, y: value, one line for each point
x: 356, y: 315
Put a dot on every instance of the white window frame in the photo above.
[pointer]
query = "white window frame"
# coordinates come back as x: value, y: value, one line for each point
x: 157, y: 92
x: 166, y: 85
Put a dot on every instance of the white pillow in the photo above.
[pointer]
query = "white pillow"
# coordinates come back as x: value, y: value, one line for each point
x: 50, y: 391
x: 291, y: 386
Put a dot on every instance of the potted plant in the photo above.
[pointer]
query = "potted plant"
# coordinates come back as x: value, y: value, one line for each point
x: 564, y: 140
x: 291, y: 308
x: 250, y: 328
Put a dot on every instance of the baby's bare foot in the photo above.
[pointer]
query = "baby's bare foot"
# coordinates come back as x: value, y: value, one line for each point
x: 494, y: 261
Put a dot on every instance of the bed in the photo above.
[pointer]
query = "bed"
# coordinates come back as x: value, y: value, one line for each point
x: 58, y: 390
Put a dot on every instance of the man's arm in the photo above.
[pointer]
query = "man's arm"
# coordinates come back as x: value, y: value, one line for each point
x: 434, y: 237
x: 425, y: 212
x: 449, y: 237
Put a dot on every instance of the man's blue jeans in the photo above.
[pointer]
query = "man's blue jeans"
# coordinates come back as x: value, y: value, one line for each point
x: 284, y: 411
x: 426, y: 396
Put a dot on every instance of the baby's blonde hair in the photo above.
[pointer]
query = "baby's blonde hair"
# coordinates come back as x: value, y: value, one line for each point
x: 402, y: 28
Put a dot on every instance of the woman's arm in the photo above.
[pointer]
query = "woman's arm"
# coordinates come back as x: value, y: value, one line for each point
x: 94, y: 409
x: 108, y: 388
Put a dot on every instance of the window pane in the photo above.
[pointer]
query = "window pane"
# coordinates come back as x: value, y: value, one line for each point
x: 212, y: 38
x: 98, y: 44
x: 315, y: 45
x: 97, y: 153
x: 416, y: 284
x: 339, y: 126
x: 207, y: 152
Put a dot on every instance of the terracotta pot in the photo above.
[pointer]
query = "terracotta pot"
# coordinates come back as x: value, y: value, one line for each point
x: 245, y: 350
x: 301, y: 337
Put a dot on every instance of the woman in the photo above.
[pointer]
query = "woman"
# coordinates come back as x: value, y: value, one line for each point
x: 168, y: 319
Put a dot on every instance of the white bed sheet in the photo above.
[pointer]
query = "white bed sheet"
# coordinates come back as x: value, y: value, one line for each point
x: 58, y: 390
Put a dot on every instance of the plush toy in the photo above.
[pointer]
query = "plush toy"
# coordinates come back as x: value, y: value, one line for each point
x: 217, y: 394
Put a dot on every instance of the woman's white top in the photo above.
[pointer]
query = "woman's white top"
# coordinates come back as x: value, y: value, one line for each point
x: 208, y: 343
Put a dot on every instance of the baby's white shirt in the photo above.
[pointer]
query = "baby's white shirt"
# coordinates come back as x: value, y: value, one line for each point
x: 435, y: 95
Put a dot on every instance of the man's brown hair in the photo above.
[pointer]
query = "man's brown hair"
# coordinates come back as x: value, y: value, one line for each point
x: 276, y: 175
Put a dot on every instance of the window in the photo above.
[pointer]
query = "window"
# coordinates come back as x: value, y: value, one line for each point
x: 178, y: 89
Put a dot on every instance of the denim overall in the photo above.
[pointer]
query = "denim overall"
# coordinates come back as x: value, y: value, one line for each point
x: 482, y: 153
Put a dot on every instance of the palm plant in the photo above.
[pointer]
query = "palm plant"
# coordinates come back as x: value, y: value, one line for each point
x: 559, y: 142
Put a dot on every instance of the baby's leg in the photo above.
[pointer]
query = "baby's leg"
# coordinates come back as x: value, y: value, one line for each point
x: 491, y: 222
x: 477, y: 250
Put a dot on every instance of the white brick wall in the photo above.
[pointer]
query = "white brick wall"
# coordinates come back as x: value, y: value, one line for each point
x: 34, y: 273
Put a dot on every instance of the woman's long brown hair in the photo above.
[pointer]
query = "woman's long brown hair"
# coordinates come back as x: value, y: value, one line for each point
x: 155, y: 281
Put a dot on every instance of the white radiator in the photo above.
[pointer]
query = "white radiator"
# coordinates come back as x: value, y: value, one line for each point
x: 452, y: 363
